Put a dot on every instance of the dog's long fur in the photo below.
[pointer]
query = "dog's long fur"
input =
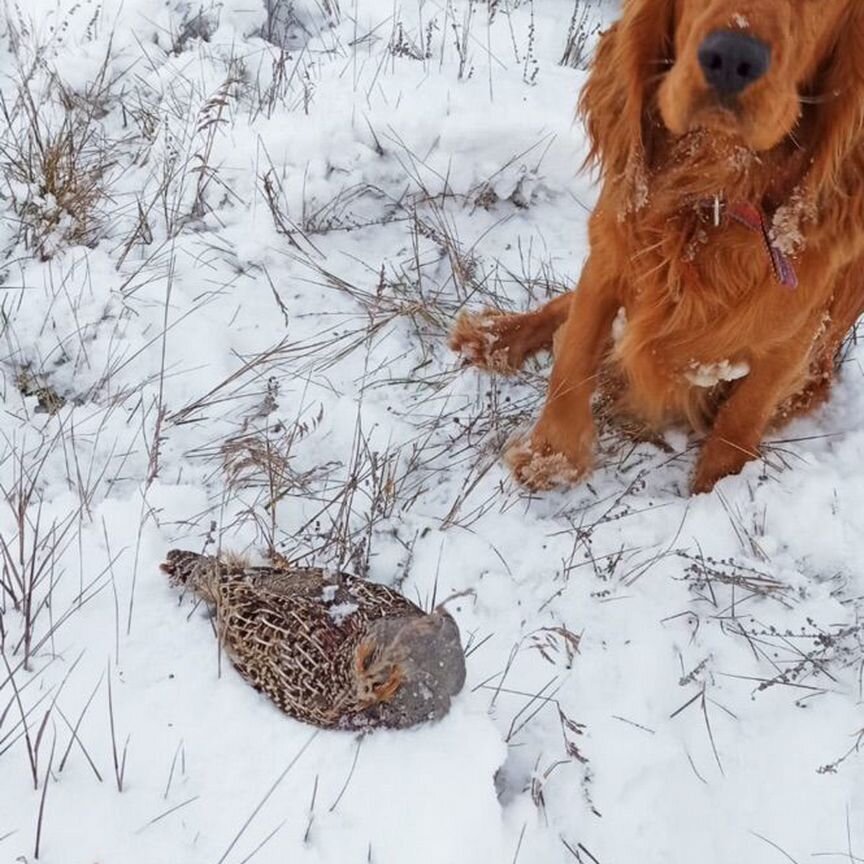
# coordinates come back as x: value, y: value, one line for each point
x: 698, y: 292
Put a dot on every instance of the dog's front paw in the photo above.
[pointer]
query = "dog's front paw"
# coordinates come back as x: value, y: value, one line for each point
x: 487, y: 340
x: 717, y: 460
x: 538, y: 465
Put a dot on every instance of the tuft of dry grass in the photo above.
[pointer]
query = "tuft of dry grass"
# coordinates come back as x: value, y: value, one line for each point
x: 55, y: 161
x: 582, y: 30
x: 262, y: 461
x: 30, y: 555
x: 704, y: 574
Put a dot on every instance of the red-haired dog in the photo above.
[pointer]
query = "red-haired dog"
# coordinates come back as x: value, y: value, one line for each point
x: 726, y: 260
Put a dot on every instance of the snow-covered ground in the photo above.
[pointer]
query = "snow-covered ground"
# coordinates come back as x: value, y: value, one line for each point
x: 232, y: 249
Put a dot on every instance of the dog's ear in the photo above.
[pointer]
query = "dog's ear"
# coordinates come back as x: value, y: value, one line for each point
x: 837, y: 158
x: 618, y: 101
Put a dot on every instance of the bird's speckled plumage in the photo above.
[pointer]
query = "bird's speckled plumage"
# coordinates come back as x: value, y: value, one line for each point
x: 329, y: 649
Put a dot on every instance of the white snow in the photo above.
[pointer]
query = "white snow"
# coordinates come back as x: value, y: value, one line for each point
x: 338, y: 612
x: 711, y: 374
x: 651, y: 677
x: 619, y: 325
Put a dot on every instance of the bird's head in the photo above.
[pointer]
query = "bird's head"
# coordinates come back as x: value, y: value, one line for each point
x: 407, y: 669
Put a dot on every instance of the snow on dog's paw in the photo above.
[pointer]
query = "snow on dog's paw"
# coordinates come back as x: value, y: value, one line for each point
x: 477, y: 337
x: 541, y: 469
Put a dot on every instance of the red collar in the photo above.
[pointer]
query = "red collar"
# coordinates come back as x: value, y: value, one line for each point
x: 753, y: 217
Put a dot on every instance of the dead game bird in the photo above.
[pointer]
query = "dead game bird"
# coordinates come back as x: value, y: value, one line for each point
x: 329, y: 649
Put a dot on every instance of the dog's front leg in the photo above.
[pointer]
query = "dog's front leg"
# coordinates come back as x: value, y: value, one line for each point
x: 744, y: 418
x: 501, y: 342
x: 560, y: 450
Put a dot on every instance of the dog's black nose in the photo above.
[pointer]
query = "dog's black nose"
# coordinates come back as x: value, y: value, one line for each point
x: 733, y: 61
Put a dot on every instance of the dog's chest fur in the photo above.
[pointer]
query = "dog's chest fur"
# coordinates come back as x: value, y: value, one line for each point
x: 700, y: 303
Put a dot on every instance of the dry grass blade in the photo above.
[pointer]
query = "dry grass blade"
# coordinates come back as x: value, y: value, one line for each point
x: 276, y: 783
x: 351, y: 770
x: 168, y: 812
x: 263, y: 843
x: 311, y: 819
x: 74, y: 730
x: 519, y: 843
x: 856, y: 749
x: 41, y: 816
x: 541, y: 698
x: 118, y: 758
x: 31, y: 741
x: 273, y: 195
x: 710, y: 731
x: 773, y: 845
x: 578, y: 851
x: 180, y: 749
x: 256, y: 366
